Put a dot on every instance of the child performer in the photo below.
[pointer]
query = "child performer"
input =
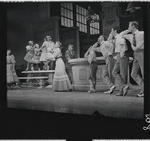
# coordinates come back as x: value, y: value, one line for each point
x: 29, y: 55
x: 36, y: 56
x: 47, y: 51
x: 91, y: 55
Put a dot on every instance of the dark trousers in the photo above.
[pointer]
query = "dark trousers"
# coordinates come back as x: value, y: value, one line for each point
x: 70, y: 75
x: 120, y: 71
x: 107, y: 73
x: 92, y: 74
x: 138, y: 65
x: 52, y: 65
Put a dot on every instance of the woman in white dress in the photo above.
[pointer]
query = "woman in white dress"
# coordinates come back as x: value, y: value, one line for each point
x: 61, y: 80
x: 47, y: 50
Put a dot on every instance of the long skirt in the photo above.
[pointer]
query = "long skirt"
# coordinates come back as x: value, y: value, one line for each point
x: 61, y: 81
x: 11, y: 75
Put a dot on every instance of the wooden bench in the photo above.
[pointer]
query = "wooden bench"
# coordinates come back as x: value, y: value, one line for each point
x: 49, y: 77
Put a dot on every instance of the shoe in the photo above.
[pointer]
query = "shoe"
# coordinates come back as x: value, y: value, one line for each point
x: 140, y: 95
x: 112, y: 89
x: 125, y: 90
x: 40, y: 87
x: 91, y: 91
x: 107, y: 92
x: 119, y: 94
x: 49, y: 86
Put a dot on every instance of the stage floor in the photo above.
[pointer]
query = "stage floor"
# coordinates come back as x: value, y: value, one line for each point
x: 46, y: 99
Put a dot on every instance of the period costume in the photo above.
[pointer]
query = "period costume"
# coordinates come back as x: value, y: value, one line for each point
x: 61, y: 81
x: 47, y: 49
x: 137, y: 43
x: 69, y: 55
x: 91, y: 56
x: 36, y: 56
x: 120, y: 71
x: 30, y: 53
x: 11, y: 73
x: 107, y: 50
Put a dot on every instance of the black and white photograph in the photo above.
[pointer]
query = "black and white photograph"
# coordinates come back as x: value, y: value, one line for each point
x: 76, y: 69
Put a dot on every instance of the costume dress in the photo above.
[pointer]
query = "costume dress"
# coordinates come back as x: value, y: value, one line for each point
x: 61, y: 81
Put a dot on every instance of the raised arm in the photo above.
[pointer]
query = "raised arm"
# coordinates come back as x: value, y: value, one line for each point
x: 95, y: 45
x: 98, y: 49
x: 43, y: 45
x: 87, y: 52
x: 124, y: 34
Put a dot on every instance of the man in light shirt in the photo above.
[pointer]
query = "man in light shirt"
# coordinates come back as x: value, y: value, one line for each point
x: 91, y: 56
x: 120, y: 71
x: 107, y: 48
x: 137, y: 43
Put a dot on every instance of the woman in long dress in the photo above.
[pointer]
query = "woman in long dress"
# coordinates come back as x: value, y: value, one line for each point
x: 61, y: 80
x: 11, y: 73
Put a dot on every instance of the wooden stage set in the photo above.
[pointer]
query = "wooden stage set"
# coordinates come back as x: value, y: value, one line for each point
x: 75, y: 102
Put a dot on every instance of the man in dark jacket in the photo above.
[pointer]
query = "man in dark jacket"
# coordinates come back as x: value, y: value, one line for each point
x: 69, y: 54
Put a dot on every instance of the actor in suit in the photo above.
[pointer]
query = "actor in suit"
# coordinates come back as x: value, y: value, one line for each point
x: 69, y: 54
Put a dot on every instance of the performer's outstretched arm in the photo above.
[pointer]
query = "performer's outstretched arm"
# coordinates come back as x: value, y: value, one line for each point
x: 87, y: 52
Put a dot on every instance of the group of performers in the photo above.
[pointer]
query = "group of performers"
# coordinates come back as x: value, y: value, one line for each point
x: 36, y: 55
x: 49, y: 53
x: 113, y: 50
x: 117, y: 60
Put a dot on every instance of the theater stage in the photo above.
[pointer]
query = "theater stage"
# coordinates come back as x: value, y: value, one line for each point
x: 74, y: 102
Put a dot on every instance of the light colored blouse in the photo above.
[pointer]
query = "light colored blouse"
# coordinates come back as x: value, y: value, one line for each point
x: 57, y: 53
x: 49, y: 45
